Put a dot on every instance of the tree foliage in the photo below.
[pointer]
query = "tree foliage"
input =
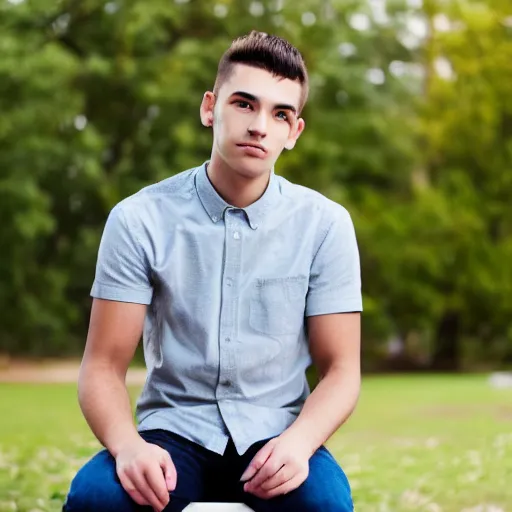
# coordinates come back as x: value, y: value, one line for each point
x: 409, y: 125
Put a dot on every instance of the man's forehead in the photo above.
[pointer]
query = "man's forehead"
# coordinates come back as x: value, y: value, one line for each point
x: 263, y: 85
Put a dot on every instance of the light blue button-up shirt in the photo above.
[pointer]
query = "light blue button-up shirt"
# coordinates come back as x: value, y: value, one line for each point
x: 228, y: 290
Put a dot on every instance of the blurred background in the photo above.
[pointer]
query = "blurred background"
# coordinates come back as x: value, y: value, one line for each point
x: 409, y: 126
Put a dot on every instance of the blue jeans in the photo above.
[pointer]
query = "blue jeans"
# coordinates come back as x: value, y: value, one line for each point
x: 207, y: 476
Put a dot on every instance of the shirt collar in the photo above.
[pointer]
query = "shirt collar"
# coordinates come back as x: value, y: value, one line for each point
x: 215, y: 206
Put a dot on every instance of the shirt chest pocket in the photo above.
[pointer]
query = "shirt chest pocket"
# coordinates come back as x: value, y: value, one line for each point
x: 277, y: 305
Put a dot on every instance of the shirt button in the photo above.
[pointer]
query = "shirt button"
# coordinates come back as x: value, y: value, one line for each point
x: 229, y: 281
x: 236, y: 235
x: 228, y: 339
x: 215, y: 219
x: 226, y: 383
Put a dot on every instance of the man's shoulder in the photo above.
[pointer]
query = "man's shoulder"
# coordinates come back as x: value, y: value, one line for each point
x: 310, y: 200
x: 154, y: 196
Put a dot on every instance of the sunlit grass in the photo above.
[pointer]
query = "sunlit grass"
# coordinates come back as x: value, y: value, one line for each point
x: 415, y: 443
x: 429, y: 443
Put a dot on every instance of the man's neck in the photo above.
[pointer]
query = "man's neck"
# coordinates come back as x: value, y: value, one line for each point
x: 234, y: 188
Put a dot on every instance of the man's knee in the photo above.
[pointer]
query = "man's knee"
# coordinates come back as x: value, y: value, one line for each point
x: 327, y: 488
x: 96, y: 488
x: 84, y: 500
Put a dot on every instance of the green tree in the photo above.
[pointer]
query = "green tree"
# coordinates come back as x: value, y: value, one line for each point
x: 468, y: 134
x: 408, y: 126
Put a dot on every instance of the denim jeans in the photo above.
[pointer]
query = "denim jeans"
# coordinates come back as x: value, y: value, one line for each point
x: 207, y: 476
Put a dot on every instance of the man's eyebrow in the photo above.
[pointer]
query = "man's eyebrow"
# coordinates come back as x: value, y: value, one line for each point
x: 284, y: 106
x: 251, y: 97
x: 245, y: 95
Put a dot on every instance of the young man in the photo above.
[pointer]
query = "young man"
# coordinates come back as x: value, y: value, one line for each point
x: 237, y: 280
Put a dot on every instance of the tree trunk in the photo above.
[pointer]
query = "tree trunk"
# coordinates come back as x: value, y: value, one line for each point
x: 446, y: 355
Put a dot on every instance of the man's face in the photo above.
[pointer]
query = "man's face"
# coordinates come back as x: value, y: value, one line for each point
x: 254, y: 119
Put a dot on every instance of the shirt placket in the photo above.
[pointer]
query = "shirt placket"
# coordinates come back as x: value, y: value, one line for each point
x: 227, y: 386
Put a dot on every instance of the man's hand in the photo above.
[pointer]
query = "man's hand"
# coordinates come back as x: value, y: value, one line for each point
x: 147, y: 474
x: 279, y: 467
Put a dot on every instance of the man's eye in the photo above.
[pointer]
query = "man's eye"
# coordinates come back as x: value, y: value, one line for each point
x: 282, y: 115
x: 243, y: 104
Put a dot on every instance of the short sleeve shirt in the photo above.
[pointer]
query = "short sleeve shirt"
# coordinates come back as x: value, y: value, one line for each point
x: 228, y: 292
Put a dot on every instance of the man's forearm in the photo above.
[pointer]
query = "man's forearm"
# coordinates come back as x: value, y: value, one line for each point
x: 328, y: 407
x: 105, y: 403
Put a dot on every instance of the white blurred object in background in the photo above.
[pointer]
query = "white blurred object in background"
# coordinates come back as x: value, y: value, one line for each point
x: 501, y: 380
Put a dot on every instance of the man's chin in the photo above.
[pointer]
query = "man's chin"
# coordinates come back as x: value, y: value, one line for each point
x: 252, y: 168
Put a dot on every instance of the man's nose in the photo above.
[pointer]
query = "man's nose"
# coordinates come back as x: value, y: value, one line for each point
x: 258, y: 126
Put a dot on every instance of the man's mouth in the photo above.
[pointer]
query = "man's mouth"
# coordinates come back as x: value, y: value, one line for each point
x: 254, y: 149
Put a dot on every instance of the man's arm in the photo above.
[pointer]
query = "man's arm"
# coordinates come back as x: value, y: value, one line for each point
x: 122, y: 289
x: 114, y: 332
x: 145, y: 470
x: 335, y: 345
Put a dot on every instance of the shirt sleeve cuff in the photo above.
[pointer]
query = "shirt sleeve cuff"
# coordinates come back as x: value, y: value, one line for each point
x: 109, y: 292
x: 354, y: 304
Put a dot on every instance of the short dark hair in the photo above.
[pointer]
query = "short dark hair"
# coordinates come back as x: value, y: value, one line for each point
x: 268, y: 52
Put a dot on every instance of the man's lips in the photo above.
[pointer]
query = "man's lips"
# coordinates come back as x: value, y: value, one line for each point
x: 256, y: 148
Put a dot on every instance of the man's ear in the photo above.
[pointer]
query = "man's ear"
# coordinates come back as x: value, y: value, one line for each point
x: 207, y: 108
x: 295, y: 134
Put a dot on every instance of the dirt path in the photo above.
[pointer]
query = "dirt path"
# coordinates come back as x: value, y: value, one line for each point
x: 53, y: 371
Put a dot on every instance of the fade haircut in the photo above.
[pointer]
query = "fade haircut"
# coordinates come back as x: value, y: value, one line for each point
x: 268, y: 52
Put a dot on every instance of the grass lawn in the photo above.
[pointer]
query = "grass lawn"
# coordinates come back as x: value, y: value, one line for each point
x: 415, y: 443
